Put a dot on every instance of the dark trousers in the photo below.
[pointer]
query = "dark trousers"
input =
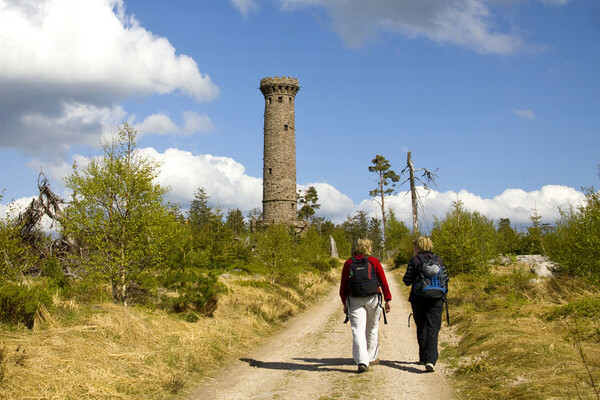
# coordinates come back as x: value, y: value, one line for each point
x: 428, y: 318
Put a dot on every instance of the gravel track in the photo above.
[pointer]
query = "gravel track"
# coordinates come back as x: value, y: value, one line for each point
x: 311, y: 358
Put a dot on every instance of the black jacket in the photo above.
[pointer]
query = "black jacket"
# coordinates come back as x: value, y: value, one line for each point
x: 414, y: 265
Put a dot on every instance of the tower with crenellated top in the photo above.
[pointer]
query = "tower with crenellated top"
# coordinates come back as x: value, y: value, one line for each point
x: 279, y: 157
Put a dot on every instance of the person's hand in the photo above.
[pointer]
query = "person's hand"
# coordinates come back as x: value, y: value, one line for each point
x: 388, y: 306
x: 345, y: 309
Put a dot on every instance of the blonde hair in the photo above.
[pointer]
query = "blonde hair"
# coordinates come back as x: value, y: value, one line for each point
x: 423, y: 243
x: 361, y: 246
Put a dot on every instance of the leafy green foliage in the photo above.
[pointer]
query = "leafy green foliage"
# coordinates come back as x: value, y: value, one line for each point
x: 235, y: 222
x: 386, y: 181
x: 191, y: 282
x: 308, y: 201
x: 398, y: 240
x: 118, y: 216
x: 375, y: 234
x: 575, y: 244
x: 14, y: 255
x: 54, y: 273
x: 356, y: 226
x: 20, y: 303
x: 465, y: 240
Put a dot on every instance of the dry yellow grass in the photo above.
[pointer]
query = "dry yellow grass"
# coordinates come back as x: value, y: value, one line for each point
x: 106, y: 351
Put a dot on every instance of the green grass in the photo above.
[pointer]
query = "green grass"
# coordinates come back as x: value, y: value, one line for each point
x: 517, y: 337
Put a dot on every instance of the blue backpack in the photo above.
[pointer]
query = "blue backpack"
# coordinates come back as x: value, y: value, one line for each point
x: 432, y: 281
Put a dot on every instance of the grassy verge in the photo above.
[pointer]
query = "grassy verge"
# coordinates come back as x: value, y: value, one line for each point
x: 516, y: 337
x: 105, y: 351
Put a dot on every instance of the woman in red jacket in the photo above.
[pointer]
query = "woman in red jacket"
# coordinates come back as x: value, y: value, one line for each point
x: 362, y: 277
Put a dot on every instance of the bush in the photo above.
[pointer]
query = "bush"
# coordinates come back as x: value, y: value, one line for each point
x: 466, y: 240
x: 56, y: 277
x: 196, y: 286
x: 20, y: 303
x: 575, y: 244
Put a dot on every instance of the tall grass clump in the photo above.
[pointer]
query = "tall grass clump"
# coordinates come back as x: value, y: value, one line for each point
x: 522, y: 338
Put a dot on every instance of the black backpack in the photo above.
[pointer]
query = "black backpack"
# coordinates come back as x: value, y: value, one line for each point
x: 432, y: 281
x: 363, y: 279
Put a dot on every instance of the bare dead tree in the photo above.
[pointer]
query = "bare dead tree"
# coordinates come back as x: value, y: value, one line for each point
x: 46, y: 203
x: 427, y: 179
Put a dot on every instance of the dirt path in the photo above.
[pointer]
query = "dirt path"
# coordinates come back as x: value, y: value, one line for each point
x: 311, y: 358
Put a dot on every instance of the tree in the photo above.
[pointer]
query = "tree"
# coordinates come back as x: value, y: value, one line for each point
x: 375, y: 234
x: 534, y: 241
x: 118, y: 217
x: 255, y: 214
x: 386, y: 180
x: 200, y: 212
x: 357, y: 226
x: 308, y: 201
x: 465, y: 240
x: 575, y: 243
x: 398, y: 239
x: 509, y: 241
x: 429, y: 178
x: 235, y: 221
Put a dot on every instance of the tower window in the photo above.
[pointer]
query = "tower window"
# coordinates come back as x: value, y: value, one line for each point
x: 290, y: 99
x: 285, y: 127
x: 280, y: 99
x: 270, y: 171
x: 269, y: 100
x: 293, y: 205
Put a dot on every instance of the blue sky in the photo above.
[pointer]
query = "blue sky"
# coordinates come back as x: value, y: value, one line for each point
x: 503, y: 96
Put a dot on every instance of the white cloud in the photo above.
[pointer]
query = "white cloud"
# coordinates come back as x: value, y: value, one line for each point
x: 467, y: 23
x: 515, y: 204
x: 66, y: 64
x: 245, y: 7
x: 555, y: 2
x: 159, y: 124
x: 196, y: 123
x: 228, y: 186
x: 527, y: 114
x: 334, y: 204
x: 224, y: 179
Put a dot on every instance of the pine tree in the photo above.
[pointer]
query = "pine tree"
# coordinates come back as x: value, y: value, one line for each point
x: 386, y: 180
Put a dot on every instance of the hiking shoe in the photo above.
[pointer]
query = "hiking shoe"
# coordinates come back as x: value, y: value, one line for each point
x: 374, y: 362
x: 429, y: 367
x: 362, y: 368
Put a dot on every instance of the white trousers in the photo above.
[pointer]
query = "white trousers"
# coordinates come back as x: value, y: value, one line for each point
x: 364, y: 319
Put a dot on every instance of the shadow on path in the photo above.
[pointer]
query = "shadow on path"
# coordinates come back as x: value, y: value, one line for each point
x: 329, y: 364
x: 312, y: 364
x: 404, y: 366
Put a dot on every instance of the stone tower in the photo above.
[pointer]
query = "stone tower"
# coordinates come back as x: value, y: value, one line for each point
x: 279, y: 158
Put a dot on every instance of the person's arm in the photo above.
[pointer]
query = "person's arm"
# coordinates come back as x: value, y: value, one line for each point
x: 409, y: 276
x: 344, y: 282
x: 385, y: 288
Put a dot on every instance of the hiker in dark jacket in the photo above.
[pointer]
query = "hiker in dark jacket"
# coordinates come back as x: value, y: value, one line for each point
x: 427, y: 312
x: 364, y: 309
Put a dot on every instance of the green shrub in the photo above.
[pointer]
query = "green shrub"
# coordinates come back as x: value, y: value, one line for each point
x: 20, y: 303
x: 194, y: 284
x: 575, y: 244
x: 467, y: 241
x: 53, y: 270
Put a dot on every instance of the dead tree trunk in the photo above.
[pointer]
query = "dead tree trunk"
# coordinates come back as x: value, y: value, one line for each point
x: 414, y: 195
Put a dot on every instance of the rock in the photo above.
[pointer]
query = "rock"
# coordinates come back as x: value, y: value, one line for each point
x: 541, y: 269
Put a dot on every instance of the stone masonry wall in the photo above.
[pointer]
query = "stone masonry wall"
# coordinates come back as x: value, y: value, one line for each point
x: 279, y: 163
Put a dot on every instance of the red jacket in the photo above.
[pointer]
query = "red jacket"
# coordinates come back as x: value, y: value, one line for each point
x: 345, y: 288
